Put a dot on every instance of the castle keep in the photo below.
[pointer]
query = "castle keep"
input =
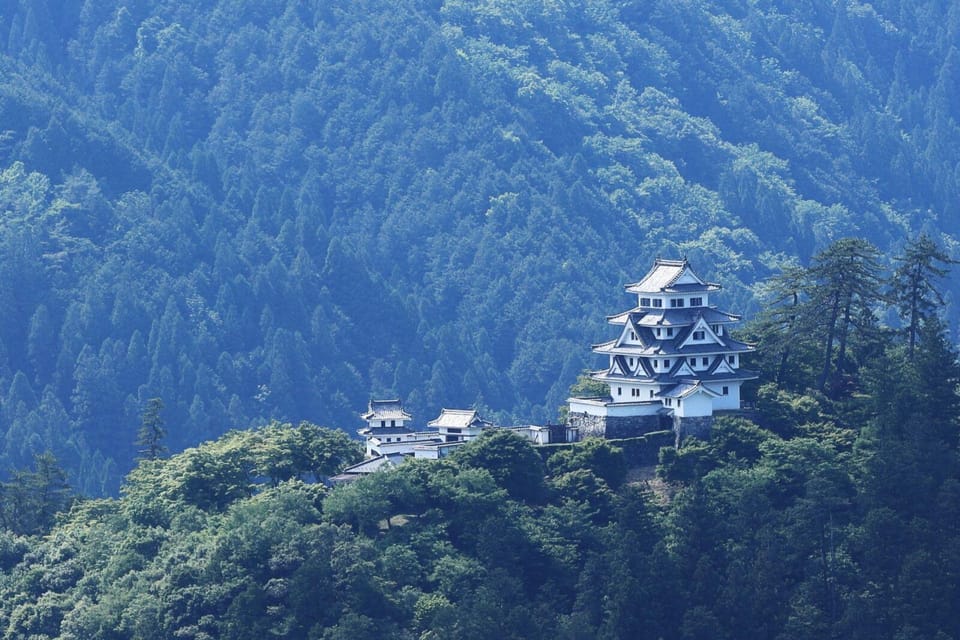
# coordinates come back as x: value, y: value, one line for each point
x: 673, y: 364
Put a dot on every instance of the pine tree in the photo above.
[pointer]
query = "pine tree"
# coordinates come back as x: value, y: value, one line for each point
x: 152, y: 432
x: 846, y: 286
x: 913, y: 286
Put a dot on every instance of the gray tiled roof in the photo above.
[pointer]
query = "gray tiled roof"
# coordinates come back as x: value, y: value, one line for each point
x: 663, y: 276
x: 685, y: 388
x: 643, y: 317
x: 458, y: 419
x: 384, y: 431
x: 369, y: 466
x: 385, y: 410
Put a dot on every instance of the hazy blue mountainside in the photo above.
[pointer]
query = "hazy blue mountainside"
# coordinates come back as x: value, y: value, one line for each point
x: 256, y: 210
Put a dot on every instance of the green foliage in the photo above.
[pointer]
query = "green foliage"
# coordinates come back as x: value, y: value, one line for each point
x: 200, y: 202
x: 151, y: 433
x: 272, y: 210
x: 31, y: 500
x: 762, y: 534
x: 603, y: 459
x: 217, y: 473
x: 914, y: 284
x: 509, y: 458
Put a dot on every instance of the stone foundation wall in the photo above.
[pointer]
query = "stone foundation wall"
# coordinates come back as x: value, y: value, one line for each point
x: 615, y: 427
x: 699, y: 427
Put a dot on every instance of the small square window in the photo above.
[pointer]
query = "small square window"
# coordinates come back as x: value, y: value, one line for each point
x: 706, y: 361
x: 726, y: 391
x: 732, y: 359
x: 693, y: 362
x: 669, y: 331
x: 666, y: 364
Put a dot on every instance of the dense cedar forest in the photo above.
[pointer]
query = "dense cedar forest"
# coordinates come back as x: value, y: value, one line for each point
x: 224, y: 222
x: 261, y: 211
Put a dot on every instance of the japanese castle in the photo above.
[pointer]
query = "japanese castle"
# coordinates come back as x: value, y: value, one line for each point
x: 673, y: 365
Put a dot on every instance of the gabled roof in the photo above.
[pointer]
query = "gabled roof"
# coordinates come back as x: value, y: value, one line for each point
x: 618, y: 367
x: 720, y: 366
x: 686, y: 388
x: 699, y: 325
x: 671, y: 275
x: 368, y: 466
x: 682, y: 368
x: 386, y: 410
x: 459, y: 419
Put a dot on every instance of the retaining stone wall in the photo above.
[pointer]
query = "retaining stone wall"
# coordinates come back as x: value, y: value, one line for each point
x: 614, y: 427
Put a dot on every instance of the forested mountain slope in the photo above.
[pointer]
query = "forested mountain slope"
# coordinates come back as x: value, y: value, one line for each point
x: 257, y: 210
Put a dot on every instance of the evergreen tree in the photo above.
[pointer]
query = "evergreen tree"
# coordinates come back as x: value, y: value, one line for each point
x: 913, y: 287
x: 31, y: 499
x: 151, y: 433
x: 845, y: 284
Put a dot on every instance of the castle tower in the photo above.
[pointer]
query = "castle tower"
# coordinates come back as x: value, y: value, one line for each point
x: 673, y: 364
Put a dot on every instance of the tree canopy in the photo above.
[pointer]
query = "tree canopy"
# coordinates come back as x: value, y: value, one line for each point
x: 273, y: 212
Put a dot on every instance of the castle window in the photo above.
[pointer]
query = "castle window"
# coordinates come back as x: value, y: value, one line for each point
x: 676, y: 302
x: 669, y: 332
x: 693, y: 362
x: 393, y: 423
x: 658, y: 332
x: 657, y: 302
x: 666, y: 364
x: 383, y: 423
x: 706, y: 361
x: 698, y: 335
x: 644, y: 302
x: 633, y: 334
x: 651, y: 393
x: 696, y: 302
x: 631, y: 362
x: 619, y: 391
x: 726, y: 391
x: 732, y: 359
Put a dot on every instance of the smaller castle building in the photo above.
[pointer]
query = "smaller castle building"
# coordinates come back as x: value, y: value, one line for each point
x: 673, y: 363
x: 389, y: 430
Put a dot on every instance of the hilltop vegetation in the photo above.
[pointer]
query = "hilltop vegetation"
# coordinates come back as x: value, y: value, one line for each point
x: 839, y: 520
x: 832, y: 514
x: 273, y: 210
